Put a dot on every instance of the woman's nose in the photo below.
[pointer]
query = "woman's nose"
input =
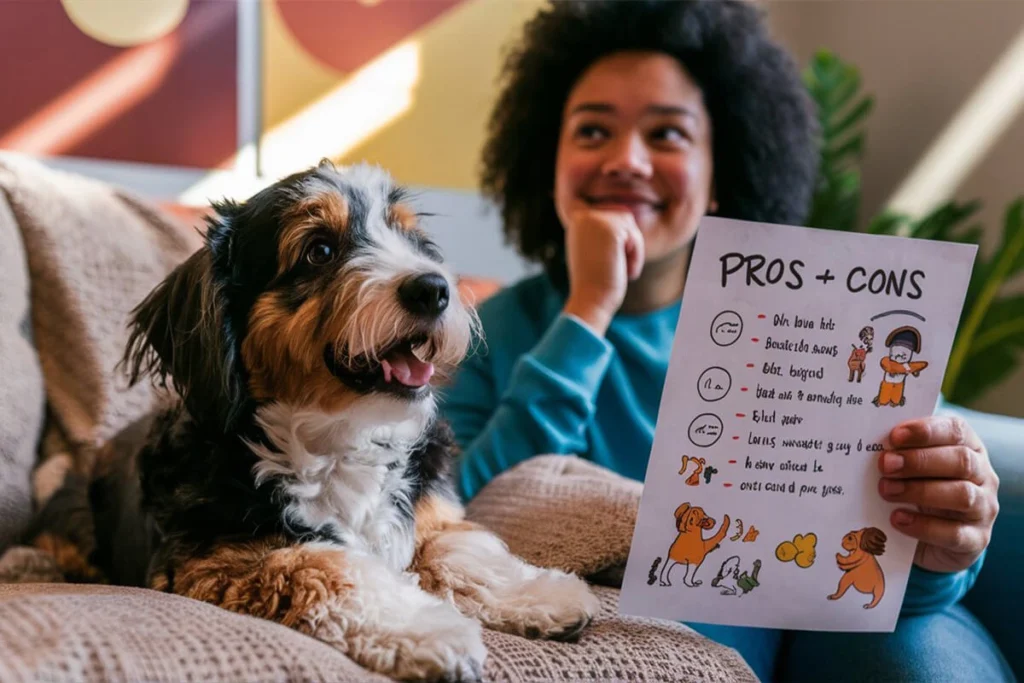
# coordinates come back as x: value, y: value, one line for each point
x: 628, y: 157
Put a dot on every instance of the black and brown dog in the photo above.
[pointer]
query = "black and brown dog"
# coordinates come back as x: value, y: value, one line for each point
x: 303, y: 476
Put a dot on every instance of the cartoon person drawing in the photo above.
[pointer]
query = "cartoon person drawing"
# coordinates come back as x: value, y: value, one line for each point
x: 860, y: 565
x: 903, y: 343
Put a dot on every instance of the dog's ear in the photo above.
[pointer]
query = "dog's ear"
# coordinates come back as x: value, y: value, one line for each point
x: 681, y: 512
x: 179, y: 332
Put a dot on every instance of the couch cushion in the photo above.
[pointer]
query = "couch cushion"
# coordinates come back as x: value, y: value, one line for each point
x: 64, y: 632
x: 21, y: 387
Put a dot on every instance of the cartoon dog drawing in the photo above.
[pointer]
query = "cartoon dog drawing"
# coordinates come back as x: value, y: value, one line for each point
x: 903, y: 343
x: 858, y: 356
x: 856, y: 362
x: 694, y: 478
x: 860, y: 565
x: 690, y: 547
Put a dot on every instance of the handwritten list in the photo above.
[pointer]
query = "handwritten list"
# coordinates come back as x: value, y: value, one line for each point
x: 797, y: 351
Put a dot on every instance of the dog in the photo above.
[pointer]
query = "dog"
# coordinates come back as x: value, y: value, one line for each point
x: 690, y: 547
x: 860, y: 565
x: 303, y: 474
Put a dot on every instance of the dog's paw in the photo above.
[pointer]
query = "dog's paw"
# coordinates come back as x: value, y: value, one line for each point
x: 435, y: 644
x: 551, y: 604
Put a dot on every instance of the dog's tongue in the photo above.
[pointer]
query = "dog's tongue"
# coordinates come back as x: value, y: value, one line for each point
x: 407, y: 369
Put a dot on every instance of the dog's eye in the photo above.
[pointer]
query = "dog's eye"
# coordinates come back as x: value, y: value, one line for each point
x: 320, y: 253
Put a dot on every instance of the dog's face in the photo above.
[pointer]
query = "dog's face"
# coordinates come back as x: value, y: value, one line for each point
x: 694, y: 519
x: 316, y: 292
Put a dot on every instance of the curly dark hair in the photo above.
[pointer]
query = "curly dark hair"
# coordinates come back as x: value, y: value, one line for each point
x: 764, y: 124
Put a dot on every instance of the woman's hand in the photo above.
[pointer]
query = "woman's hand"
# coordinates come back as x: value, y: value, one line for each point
x: 940, y: 466
x: 604, y: 251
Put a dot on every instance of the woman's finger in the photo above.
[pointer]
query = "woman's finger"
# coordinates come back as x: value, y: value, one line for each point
x: 941, y: 462
x: 963, y: 497
x: 951, y: 535
x: 634, y: 250
x: 934, y: 431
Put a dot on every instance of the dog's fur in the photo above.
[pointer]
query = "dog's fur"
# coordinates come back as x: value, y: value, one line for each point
x: 304, y: 475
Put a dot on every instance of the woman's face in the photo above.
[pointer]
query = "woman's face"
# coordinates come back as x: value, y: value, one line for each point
x: 636, y: 137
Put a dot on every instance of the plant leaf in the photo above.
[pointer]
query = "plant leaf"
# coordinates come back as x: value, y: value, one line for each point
x: 834, y: 86
x: 938, y: 224
x: 1003, y: 325
x: 887, y: 223
x: 982, y: 371
x: 857, y: 114
x: 1013, y: 232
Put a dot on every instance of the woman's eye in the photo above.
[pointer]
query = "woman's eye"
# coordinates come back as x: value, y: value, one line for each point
x: 320, y: 253
x: 670, y: 134
x: 591, y: 133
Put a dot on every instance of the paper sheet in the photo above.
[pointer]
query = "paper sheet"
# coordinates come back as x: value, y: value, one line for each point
x: 797, y: 351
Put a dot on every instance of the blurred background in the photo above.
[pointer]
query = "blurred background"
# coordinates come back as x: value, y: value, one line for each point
x: 188, y: 100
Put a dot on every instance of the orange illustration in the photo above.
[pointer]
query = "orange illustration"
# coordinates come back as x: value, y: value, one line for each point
x: 860, y: 565
x: 903, y: 343
x: 690, y: 547
x: 694, y: 478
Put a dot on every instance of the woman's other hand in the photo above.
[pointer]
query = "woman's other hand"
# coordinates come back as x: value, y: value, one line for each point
x: 604, y: 252
x: 939, y: 466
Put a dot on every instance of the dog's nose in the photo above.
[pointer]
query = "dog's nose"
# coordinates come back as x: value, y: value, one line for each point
x: 424, y: 294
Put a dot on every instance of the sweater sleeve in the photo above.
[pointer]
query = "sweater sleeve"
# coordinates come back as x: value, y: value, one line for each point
x: 929, y: 591
x: 549, y: 399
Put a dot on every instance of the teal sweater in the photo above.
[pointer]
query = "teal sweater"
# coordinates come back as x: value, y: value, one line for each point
x: 541, y: 382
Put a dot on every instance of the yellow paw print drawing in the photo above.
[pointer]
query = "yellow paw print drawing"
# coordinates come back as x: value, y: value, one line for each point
x: 800, y: 550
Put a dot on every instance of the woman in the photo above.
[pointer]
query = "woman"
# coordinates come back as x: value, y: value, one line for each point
x: 619, y: 125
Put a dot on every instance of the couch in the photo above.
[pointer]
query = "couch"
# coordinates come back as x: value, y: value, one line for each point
x: 75, y: 256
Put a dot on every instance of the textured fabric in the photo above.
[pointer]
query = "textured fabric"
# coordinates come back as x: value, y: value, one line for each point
x: 21, y: 386
x: 95, y: 633
x: 93, y: 254
x: 562, y: 511
x: 542, y: 382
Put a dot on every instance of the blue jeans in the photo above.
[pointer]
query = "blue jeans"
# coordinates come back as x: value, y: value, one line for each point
x: 945, y: 646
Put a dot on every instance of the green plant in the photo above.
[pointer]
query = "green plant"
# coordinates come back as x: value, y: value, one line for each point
x: 990, y: 334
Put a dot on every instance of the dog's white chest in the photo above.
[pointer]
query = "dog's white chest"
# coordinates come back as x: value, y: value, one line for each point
x: 343, y: 477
